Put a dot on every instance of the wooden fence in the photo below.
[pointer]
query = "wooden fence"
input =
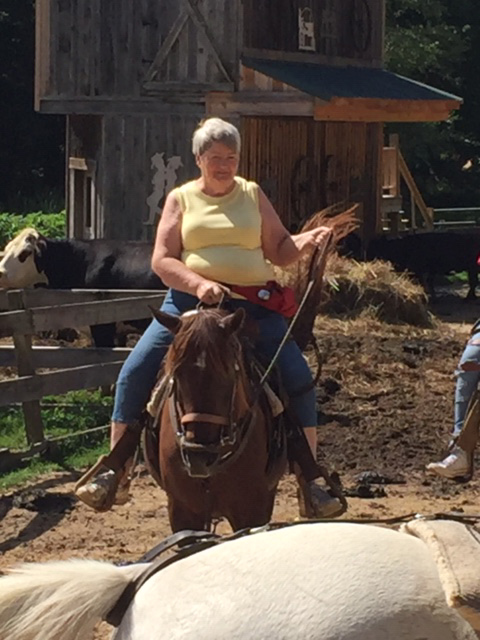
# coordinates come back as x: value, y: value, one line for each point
x: 43, y: 370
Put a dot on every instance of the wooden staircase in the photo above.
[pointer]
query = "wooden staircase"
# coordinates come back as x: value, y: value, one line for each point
x: 393, y: 216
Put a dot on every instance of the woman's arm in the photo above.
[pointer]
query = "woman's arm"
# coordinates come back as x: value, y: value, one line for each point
x: 166, y: 256
x: 279, y: 246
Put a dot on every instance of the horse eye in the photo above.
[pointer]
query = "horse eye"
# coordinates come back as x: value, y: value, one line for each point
x: 24, y: 255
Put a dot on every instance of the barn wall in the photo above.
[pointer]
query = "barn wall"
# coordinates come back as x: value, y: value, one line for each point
x: 304, y: 165
x: 342, y: 28
x: 143, y: 158
x: 100, y: 49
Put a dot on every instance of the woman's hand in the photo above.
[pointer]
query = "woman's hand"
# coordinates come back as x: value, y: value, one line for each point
x: 210, y: 292
x: 316, y: 237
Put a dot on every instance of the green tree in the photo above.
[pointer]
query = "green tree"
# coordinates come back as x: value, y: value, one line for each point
x: 437, y: 42
x: 31, y: 144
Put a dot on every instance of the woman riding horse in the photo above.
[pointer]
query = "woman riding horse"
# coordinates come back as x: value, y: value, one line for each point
x: 215, y: 233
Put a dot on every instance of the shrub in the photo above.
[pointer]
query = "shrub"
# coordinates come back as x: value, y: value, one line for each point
x: 52, y: 225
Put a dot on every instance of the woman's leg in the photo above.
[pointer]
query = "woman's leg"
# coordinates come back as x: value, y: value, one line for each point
x: 133, y: 388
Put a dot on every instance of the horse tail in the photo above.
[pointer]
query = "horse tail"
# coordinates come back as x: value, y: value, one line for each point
x: 59, y: 600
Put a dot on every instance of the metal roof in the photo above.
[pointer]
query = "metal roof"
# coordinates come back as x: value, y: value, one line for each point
x: 327, y: 82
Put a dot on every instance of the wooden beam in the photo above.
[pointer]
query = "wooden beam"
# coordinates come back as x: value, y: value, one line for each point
x: 42, y: 50
x: 55, y: 297
x: 380, y: 110
x: 208, y: 37
x: 174, y: 90
x: 26, y: 367
x: 88, y: 313
x: 28, y: 388
x: 31, y: 321
x: 167, y: 44
x: 161, y: 104
x: 259, y: 103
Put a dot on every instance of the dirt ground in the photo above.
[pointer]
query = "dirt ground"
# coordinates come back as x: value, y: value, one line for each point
x: 386, y: 402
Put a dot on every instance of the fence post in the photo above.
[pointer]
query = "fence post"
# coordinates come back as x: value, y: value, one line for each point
x: 24, y: 356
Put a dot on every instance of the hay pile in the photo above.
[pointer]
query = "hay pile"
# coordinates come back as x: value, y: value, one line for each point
x: 373, y: 288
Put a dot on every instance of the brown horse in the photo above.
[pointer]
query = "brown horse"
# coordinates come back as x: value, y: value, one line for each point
x: 214, y: 454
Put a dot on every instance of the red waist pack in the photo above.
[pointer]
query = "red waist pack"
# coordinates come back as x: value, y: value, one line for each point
x: 270, y: 295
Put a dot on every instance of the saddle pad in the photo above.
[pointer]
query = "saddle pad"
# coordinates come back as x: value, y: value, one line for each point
x: 455, y: 547
x: 160, y: 389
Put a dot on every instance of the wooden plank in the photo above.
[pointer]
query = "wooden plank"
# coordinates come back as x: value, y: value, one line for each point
x: 167, y: 44
x: 42, y: 50
x: 378, y: 110
x: 43, y: 297
x: 257, y: 103
x: 25, y: 367
x: 12, y: 322
x: 28, y: 388
x: 208, y: 38
x: 189, y: 88
x: 146, y: 105
x: 88, y: 313
x: 81, y: 164
x: 62, y: 357
x: 31, y: 321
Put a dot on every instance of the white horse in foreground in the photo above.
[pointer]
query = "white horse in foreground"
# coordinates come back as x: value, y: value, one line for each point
x: 332, y: 581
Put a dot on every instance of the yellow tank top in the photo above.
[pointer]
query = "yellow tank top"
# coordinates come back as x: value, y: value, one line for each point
x: 221, y: 236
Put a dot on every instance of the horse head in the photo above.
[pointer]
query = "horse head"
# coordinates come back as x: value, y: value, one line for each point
x: 208, y: 395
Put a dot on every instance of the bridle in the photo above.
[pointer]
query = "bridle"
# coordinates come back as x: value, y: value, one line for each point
x: 233, y: 429
x: 205, y: 460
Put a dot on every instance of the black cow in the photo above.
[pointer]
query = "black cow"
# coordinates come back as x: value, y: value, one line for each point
x: 427, y: 254
x: 30, y: 260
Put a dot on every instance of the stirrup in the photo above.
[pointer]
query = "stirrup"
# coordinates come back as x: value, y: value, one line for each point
x: 320, y: 506
x: 88, y: 497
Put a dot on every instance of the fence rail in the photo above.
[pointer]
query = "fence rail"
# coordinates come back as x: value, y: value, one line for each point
x: 24, y: 313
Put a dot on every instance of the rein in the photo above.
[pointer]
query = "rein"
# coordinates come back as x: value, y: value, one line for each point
x: 234, y: 431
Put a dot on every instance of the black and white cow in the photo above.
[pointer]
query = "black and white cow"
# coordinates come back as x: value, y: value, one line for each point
x: 31, y: 259
x: 427, y: 254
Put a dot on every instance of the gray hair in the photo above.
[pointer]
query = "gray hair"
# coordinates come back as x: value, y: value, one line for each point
x: 215, y: 130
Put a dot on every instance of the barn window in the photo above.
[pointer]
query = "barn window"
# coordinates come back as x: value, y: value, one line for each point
x: 82, y: 199
x: 306, y: 30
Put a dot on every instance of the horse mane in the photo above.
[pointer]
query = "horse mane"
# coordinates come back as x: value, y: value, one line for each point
x: 201, y: 333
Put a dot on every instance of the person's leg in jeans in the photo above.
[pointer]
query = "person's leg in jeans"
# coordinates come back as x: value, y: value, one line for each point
x: 458, y: 462
x: 133, y: 388
x: 296, y: 376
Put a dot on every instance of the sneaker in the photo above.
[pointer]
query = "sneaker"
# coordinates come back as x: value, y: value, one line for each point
x: 454, y: 465
x: 315, y: 502
x: 100, y: 493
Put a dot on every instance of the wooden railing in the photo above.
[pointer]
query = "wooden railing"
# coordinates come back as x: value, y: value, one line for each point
x: 395, y: 169
x: 24, y: 313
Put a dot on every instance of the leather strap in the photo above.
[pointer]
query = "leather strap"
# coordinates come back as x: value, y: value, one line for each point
x: 211, y: 418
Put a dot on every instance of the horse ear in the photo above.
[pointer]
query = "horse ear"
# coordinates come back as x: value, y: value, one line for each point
x: 172, y: 323
x: 233, y: 322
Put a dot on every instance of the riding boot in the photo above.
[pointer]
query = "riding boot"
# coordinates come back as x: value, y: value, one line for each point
x: 314, y: 501
x: 108, y: 481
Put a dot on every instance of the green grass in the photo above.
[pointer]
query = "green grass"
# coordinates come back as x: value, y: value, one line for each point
x: 62, y: 415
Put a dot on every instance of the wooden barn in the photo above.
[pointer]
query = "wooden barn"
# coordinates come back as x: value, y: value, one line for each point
x: 303, y: 79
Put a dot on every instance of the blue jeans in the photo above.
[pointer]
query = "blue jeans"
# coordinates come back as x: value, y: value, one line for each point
x: 467, y: 382
x: 139, y: 372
